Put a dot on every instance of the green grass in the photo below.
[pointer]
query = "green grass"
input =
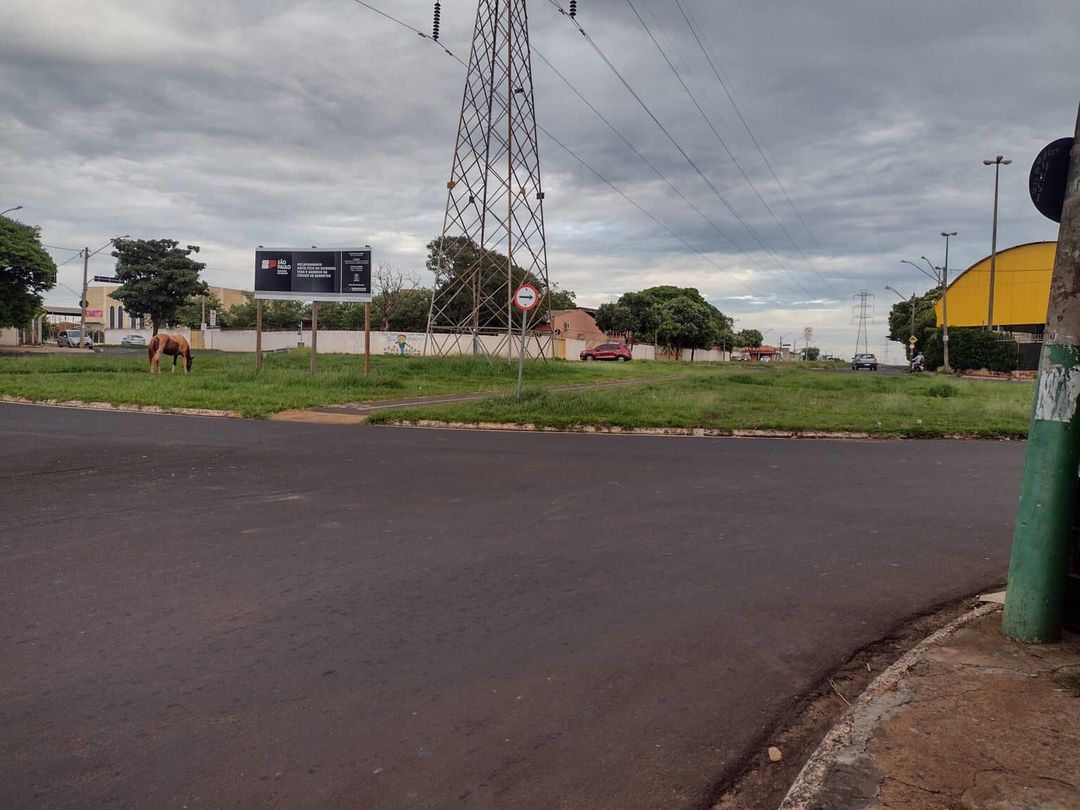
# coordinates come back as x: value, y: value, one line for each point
x: 733, y: 398
x: 229, y: 381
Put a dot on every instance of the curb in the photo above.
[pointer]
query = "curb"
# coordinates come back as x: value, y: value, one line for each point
x: 858, y: 722
x: 108, y: 406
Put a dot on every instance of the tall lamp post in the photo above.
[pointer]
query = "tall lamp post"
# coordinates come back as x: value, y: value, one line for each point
x: 940, y: 275
x: 911, y: 345
x: 945, y: 302
x: 86, y: 267
x: 9, y: 210
x: 997, y: 163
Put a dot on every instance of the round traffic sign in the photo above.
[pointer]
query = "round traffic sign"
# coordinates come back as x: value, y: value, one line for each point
x: 1048, y: 177
x: 526, y: 297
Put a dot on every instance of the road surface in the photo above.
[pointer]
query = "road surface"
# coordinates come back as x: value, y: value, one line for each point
x: 220, y: 613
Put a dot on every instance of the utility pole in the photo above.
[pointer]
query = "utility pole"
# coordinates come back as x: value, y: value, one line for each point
x: 82, y: 301
x: 945, y: 304
x: 997, y: 163
x: 1035, y: 600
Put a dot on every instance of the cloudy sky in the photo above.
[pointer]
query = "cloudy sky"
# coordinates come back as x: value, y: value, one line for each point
x: 234, y: 123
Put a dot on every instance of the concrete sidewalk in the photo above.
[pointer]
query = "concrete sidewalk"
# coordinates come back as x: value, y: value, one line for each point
x: 968, y: 719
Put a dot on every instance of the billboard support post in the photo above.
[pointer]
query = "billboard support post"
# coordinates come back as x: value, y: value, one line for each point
x: 367, y: 338
x: 258, y: 334
x: 314, y: 335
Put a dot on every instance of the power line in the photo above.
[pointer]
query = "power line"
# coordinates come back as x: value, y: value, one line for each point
x: 712, y: 186
x: 722, y: 142
x: 746, y: 124
x: 755, y: 294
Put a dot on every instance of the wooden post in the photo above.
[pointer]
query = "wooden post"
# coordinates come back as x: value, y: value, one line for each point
x: 258, y: 334
x: 314, y: 335
x: 367, y: 338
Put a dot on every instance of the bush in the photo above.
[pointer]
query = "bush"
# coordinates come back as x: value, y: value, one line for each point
x: 941, y: 390
x: 971, y: 349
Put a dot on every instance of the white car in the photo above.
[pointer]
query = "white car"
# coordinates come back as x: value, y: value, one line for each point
x: 69, y: 339
x: 133, y: 340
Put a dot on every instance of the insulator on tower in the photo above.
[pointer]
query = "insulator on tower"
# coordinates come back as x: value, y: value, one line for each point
x: 573, y: 9
x: 435, y: 21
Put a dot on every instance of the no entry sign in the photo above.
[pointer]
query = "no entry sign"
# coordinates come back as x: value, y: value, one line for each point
x: 526, y: 297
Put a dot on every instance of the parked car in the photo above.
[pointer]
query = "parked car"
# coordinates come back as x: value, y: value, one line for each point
x: 133, y: 340
x: 69, y: 339
x: 864, y: 361
x: 608, y: 351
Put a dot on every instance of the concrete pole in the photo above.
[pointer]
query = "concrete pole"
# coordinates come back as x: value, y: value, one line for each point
x: 1034, y: 602
x: 82, y: 303
x: 945, y: 304
x: 996, y: 163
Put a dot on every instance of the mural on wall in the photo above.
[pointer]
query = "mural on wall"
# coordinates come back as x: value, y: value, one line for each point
x: 402, y: 344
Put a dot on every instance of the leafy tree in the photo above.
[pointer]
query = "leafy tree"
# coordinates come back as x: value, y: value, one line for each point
x: 925, y: 320
x: 971, y: 349
x: 811, y: 353
x: 454, y: 260
x: 157, y: 277
x: 191, y: 313
x: 562, y: 299
x: 687, y: 324
x: 748, y: 339
x: 26, y: 271
x: 667, y: 315
x: 277, y: 315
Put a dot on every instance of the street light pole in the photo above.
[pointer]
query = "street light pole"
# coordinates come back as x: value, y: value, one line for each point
x: 9, y: 210
x: 911, y: 346
x: 997, y: 163
x: 945, y: 303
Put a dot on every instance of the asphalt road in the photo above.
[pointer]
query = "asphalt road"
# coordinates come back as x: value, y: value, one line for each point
x: 225, y: 614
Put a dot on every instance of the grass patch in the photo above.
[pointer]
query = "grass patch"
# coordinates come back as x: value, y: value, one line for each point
x: 229, y: 381
x: 771, y: 399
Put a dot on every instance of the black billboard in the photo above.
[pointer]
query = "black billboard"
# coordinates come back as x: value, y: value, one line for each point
x: 313, y: 275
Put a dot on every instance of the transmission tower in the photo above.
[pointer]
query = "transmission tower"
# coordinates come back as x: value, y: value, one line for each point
x: 493, y: 230
x: 863, y: 311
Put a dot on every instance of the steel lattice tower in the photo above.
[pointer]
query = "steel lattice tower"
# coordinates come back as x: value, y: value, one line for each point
x: 494, y: 201
x: 863, y: 311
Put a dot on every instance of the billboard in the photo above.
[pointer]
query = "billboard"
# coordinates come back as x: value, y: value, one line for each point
x: 289, y: 274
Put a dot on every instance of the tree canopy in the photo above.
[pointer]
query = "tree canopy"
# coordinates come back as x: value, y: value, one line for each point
x: 748, y: 339
x: 674, y: 317
x: 453, y: 260
x: 26, y: 271
x: 157, y: 278
x: 925, y: 319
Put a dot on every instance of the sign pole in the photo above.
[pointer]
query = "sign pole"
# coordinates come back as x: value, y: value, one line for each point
x: 1035, y: 599
x: 258, y: 334
x: 367, y: 339
x: 521, y: 359
x: 314, y: 335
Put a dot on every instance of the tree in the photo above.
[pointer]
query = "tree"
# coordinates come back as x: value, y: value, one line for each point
x: 157, y: 277
x: 562, y: 299
x: 687, y: 324
x: 748, y: 339
x: 193, y: 311
x: 454, y: 260
x: 26, y: 271
x: 925, y: 319
x: 394, y: 293
x: 811, y: 353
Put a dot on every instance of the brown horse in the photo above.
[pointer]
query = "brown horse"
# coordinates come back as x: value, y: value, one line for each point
x: 175, y: 346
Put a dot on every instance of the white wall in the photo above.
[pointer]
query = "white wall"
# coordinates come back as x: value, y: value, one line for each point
x: 9, y: 337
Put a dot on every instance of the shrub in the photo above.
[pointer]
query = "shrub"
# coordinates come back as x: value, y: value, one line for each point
x: 971, y: 348
x: 941, y: 390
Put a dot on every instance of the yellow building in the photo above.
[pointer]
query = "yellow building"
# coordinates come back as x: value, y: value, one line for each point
x: 1021, y: 290
x: 105, y: 312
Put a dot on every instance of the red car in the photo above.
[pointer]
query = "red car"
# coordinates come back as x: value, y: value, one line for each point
x: 608, y: 351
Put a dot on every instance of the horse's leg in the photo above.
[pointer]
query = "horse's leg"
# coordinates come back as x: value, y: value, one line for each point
x: 174, y: 363
x: 155, y: 362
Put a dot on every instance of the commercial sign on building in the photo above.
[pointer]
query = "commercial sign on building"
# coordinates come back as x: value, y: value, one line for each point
x: 313, y: 275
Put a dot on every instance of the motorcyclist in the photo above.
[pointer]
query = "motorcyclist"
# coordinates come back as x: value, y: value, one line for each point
x: 917, y: 362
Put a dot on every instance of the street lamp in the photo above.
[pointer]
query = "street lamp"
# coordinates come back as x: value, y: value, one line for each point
x: 85, y: 269
x: 945, y: 302
x: 997, y: 163
x: 9, y: 210
x: 911, y: 344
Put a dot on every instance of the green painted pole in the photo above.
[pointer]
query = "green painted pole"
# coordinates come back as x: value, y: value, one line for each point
x: 1035, y: 599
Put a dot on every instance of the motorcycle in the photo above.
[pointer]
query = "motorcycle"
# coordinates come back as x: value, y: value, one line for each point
x: 916, y: 364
